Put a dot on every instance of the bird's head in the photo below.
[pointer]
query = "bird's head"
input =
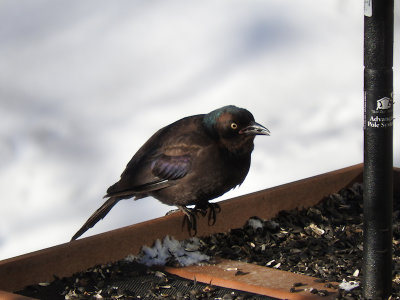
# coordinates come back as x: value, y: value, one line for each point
x: 235, y: 128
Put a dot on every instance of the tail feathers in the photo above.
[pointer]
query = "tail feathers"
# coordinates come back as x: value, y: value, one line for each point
x: 97, y: 216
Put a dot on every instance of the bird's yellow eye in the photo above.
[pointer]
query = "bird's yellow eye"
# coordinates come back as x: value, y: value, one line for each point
x: 234, y: 126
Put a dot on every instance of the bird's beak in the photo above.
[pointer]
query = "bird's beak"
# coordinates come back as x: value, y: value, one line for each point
x: 255, y: 129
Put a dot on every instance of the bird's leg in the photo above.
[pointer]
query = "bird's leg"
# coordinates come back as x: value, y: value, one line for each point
x: 190, y: 219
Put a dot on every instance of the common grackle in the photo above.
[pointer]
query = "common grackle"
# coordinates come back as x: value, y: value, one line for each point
x: 188, y: 162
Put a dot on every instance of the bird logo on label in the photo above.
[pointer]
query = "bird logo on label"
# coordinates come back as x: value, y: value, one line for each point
x: 384, y: 103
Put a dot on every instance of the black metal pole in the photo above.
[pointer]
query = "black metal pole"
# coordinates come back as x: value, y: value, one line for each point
x: 378, y: 148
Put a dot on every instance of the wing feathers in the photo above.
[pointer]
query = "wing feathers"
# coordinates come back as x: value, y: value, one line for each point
x: 171, y: 167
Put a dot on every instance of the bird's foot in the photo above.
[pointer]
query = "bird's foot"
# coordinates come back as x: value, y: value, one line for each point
x: 214, y: 210
x: 189, y: 219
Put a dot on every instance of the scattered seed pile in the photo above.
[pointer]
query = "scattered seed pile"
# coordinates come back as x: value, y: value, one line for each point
x: 324, y: 241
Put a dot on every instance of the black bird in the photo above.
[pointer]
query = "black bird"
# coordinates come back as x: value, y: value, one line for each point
x: 188, y: 162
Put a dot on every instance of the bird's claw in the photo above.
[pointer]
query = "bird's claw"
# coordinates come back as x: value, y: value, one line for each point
x: 214, y: 210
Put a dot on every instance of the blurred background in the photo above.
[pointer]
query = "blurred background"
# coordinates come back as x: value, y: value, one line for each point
x: 83, y: 84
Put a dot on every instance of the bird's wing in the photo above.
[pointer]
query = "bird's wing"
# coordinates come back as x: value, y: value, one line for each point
x: 154, y: 174
x: 172, y: 140
x: 165, y: 157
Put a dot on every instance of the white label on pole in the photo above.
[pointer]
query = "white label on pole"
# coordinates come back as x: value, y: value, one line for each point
x: 368, y: 8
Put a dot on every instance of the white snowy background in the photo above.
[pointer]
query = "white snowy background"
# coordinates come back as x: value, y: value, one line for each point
x: 83, y: 84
